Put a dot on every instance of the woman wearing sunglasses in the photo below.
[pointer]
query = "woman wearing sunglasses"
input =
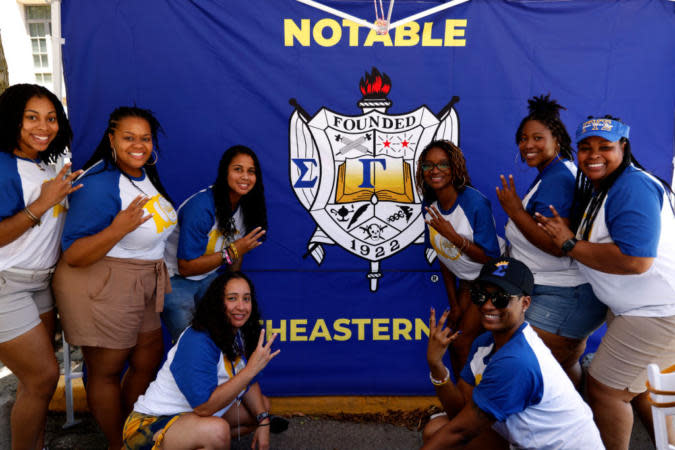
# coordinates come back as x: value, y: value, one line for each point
x: 461, y: 229
x: 511, y: 389
x: 625, y: 246
x: 564, y: 310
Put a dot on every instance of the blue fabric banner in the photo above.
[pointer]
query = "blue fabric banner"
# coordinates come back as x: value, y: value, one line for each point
x: 343, y: 276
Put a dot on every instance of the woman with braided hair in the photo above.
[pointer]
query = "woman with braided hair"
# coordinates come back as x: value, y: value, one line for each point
x: 564, y: 311
x: 461, y: 229
x: 625, y: 246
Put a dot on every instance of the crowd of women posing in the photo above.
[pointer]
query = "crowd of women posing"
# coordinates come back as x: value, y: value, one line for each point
x: 600, y: 241
x: 104, y: 264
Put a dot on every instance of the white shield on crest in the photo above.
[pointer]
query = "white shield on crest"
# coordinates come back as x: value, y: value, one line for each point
x: 355, y: 175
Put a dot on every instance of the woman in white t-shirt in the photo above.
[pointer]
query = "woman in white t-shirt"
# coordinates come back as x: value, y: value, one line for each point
x: 34, y: 131
x: 625, y: 247
x: 110, y: 282
x: 564, y: 311
x: 217, y: 226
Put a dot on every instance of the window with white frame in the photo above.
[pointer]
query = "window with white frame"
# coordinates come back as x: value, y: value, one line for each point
x: 39, y: 24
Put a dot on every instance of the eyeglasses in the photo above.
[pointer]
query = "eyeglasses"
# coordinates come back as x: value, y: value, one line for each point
x: 442, y: 166
x: 499, y: 299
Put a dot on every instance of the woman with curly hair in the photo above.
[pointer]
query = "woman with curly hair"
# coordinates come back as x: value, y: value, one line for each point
x: 216, y: 226
x: 110, y: 282
x: 461, y: 229
x: 34, y: 132
x: 624, y: 244
x: 564, y: 310
x: 209, y: 376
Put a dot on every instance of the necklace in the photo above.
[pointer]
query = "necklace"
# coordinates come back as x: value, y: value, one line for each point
x: 25, y: 156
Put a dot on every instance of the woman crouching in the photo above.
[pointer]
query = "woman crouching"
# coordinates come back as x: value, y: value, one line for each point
x: 207, y: 377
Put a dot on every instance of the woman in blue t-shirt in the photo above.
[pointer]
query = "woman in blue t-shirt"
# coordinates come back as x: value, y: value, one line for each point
x: 461, y: 229
x: 110, y: 282
x: 625, y: 246
x: 208, y: 376
x: 564, y: 311
x: 34, y: 132
x: 216, y: 226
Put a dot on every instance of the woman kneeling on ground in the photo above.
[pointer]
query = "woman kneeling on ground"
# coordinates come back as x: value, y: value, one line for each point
x: 203, y: 394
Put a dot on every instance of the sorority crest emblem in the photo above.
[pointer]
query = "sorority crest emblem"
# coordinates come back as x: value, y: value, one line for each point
x: 355, y: 175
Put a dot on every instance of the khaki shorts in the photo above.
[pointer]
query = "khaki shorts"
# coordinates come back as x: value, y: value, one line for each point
x: 630, y: 344
x: 24, y: 296
x: 109, y: 302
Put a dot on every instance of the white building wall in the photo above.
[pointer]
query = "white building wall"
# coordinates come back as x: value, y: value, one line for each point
x: 16, y: 42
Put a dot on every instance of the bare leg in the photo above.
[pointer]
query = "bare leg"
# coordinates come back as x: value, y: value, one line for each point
x: 241, y: 420
x: 612, y: 412
x: 192, y: 432
x: 103, y: 390
x: 31, y: 358
x: 566, y: 351
x: 143, y: 362
x: 470, y: 325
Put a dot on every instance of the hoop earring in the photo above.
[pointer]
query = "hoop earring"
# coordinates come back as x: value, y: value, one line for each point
x: 114, y: 154
x: 154, y: 152
x: 518, y: 156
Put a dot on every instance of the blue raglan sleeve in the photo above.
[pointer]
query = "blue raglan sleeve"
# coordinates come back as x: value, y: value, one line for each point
x: 196, y: 218
x: 557, y: 189
x: 508, y: 387
x: 483, y: 223
x: 633, y: 215
x: 195, y: 366
x: 11, y: 192
x: 92, y: 208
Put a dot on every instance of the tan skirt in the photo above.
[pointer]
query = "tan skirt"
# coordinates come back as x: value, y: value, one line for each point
x: 630, y: 344
x: 109, y: 302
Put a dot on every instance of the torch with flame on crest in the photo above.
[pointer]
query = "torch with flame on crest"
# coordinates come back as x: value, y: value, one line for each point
x: 355, y: 174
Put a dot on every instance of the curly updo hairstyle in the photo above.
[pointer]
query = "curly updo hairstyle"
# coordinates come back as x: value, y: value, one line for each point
x: 547, y: 111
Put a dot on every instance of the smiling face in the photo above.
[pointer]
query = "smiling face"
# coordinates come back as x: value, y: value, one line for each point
x: 537, y: 145
x: 131, y: 141
x: 238, y: 302
x: 598, y: 158
x: 39, y: 127
x: 504, y: 321
x: 438, y: 179
x: 241, y: 176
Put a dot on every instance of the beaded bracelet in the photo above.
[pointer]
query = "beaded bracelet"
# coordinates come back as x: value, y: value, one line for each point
x: 225, y: 255
x: 35, y: 219
x: 235, y: 253
x: 436, y: 382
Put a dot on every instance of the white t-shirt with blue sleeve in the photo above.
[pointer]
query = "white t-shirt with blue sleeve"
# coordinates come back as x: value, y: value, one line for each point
x: 636, y: 215
x: 21, y: 182
x: 105, y: 193
x: 197, y: 233
x: 525, y: 390
x: 553, y: 186
x: 471, y: 217
x: 193, y: 369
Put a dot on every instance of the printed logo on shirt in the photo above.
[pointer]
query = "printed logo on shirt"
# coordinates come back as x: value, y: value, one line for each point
x: 216, y: 242
x: 162, y: 212
x: 442, y: 246
x: 58, y: 208
x: 355, y: 174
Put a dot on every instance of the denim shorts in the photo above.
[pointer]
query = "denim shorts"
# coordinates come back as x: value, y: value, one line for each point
x: 573, y: 312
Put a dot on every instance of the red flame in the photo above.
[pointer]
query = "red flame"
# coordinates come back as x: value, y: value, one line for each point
x: 375, y: 84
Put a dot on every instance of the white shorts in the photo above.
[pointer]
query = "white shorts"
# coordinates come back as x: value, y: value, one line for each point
x: 24, y: 296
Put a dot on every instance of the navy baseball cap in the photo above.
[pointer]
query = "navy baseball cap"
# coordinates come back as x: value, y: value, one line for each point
x: 609, y: 129
x: 514, y: 277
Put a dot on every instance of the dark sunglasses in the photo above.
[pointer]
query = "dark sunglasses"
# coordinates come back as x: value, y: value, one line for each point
x: 499, y: 299
x: 442, y: 166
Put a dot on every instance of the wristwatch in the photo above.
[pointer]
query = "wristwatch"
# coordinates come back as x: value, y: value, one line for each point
x: 568, y: 245
x: 262, y: 416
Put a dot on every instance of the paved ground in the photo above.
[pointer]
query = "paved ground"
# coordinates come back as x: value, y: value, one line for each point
x: 303, y: 432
